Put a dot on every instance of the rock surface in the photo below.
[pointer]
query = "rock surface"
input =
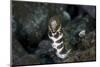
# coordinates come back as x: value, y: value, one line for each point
x: 30, y: 42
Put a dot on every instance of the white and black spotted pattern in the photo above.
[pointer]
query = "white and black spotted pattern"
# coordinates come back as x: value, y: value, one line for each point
x: 57, y: 43
x: 55, y: 34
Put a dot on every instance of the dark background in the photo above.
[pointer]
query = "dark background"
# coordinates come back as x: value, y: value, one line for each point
x: 29, y: 29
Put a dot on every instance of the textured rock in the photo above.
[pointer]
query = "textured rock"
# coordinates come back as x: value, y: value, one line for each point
x: 30, y: 34
x: 90, y: 10
x: 20, y: 56
x: 31, y: 22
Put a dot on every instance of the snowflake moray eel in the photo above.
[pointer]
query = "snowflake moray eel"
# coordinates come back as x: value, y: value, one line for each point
x: 55, y: 33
